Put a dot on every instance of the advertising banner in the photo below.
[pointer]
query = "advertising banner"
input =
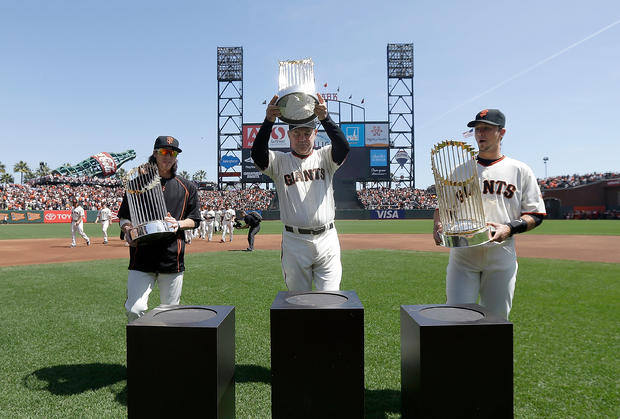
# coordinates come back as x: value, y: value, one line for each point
x: 321, y: 140
x: 21, y: 217
x: 378, y: 158
x: 58, y: 216
x: 354, y: 134
x: 388, y: 214
x: 377, y: 134
x: 229, y: 161
x: 249, y: 170
x: 279, y: 135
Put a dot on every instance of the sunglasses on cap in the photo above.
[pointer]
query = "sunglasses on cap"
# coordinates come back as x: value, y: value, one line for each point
x: 164, y: 151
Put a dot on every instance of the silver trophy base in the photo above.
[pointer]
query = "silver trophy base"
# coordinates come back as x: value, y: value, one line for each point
x: 476, y: 238
x: 296, y: 107
x: 151, y: 231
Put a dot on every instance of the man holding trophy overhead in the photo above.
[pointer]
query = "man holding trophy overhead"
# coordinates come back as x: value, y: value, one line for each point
x: 303, y: 179
x: 157, y: 246
x: 512, y: 204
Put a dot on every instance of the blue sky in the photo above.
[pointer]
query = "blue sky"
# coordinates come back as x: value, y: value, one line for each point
x: 81, y: 77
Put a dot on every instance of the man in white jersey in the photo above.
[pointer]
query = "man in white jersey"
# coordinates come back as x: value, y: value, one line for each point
x: 303, y: 179
x: 77, y: 226
x: 218, y: 219
x: 512, y: 204
x: 228, y: 220
x: 209, y: 222
x: 104, y: 218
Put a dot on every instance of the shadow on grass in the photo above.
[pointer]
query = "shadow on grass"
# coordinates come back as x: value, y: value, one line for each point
x: 379, y: 403
x: 64, y: 380
x: 246, y: 373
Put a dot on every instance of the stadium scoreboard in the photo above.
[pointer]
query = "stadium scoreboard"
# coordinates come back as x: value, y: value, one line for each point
x: 368, y: 160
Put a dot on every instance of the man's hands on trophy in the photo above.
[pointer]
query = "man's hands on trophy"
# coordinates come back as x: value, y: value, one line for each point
x: 172, y: 222
x: 127, y: 227
x: 273, y: 111
x: 320, y: 109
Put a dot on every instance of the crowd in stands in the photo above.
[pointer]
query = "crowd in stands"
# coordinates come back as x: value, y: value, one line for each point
x: 399, y: 198
x: 256, y: 199
x: 570, y: 181
x: 69, y: 180
x: 54, y: 194
x: 59, y: 197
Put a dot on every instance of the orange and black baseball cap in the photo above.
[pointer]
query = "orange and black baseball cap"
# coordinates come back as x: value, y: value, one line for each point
x: 165, y: 141
x: 489, y: 116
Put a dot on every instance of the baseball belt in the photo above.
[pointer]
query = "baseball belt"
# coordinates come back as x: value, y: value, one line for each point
x: 313, y: 231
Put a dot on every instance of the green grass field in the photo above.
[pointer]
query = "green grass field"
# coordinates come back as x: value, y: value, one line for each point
x: 62, y: 336
x: 580, y: 227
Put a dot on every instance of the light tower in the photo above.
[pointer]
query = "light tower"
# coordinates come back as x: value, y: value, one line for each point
x: 229, y: 116
x: 400, y: 113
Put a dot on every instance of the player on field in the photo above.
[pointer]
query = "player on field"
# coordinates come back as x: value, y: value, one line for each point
x: 162, y: 261
x: 512, y: 204
x: 303, y: 179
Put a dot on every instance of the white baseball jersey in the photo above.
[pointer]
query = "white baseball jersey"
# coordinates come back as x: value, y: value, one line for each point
x: 210, y: 216
x: 76, y: 214
x: 304, y: 186
x: 509, y: 190
x: 229, y: 214
x: 104, y: 214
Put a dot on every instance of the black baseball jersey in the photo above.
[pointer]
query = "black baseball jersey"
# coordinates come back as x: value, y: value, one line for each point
x: 166, y: 256
x: 251, y: 220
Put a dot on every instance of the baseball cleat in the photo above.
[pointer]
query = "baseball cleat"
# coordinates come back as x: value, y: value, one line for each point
x: 105, y: 242
x: 72, y: 245
x: 87, y: 242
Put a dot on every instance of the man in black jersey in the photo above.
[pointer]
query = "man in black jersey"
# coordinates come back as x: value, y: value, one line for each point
x: 161, y: 262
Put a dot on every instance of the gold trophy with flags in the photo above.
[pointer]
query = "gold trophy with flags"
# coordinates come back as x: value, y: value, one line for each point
x: 458, y: 195
x: 297, y: 91
x: 147, y: 207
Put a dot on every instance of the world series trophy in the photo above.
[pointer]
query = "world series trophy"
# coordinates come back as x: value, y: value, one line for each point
x: 147, y: 207
x: 296, y: 91
x: 458, y: 195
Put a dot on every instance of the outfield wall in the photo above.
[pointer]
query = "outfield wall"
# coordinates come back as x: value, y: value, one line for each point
x: 64, y: 216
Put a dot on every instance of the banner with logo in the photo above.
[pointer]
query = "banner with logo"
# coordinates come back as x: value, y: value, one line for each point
x: 249, y: 171
x: 278, y: 139
x: 377, y: 134
x: 21, y: 217
x: 58, y: 216
x: 354, y: 133
x: 388, y: 214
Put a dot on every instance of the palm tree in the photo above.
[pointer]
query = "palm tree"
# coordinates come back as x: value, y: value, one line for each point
x: 184, y: 174
x: 199, y: 176
x: 2, y: 168
x: 43, y: 170
x: 21, y: 167
x: 6, y: 178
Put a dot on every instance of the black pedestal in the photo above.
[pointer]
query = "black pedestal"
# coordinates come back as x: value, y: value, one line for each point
x: 317, y: 355
x: 181, y: 362
x: 456, y: 361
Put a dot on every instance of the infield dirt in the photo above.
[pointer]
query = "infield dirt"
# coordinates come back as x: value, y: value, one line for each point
x: 583, y: 248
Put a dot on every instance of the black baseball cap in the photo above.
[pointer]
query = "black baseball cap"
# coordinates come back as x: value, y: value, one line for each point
x: 165, y: 141
x: 489, y: 116
x: 311, y: 124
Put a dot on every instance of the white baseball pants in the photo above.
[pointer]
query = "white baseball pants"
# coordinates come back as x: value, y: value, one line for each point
x: 489, y: 271
x: 227, y: 228
x: 78, y: 228
x: 139, y: 287
x: 307, y: 258
x: 104, y: 227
